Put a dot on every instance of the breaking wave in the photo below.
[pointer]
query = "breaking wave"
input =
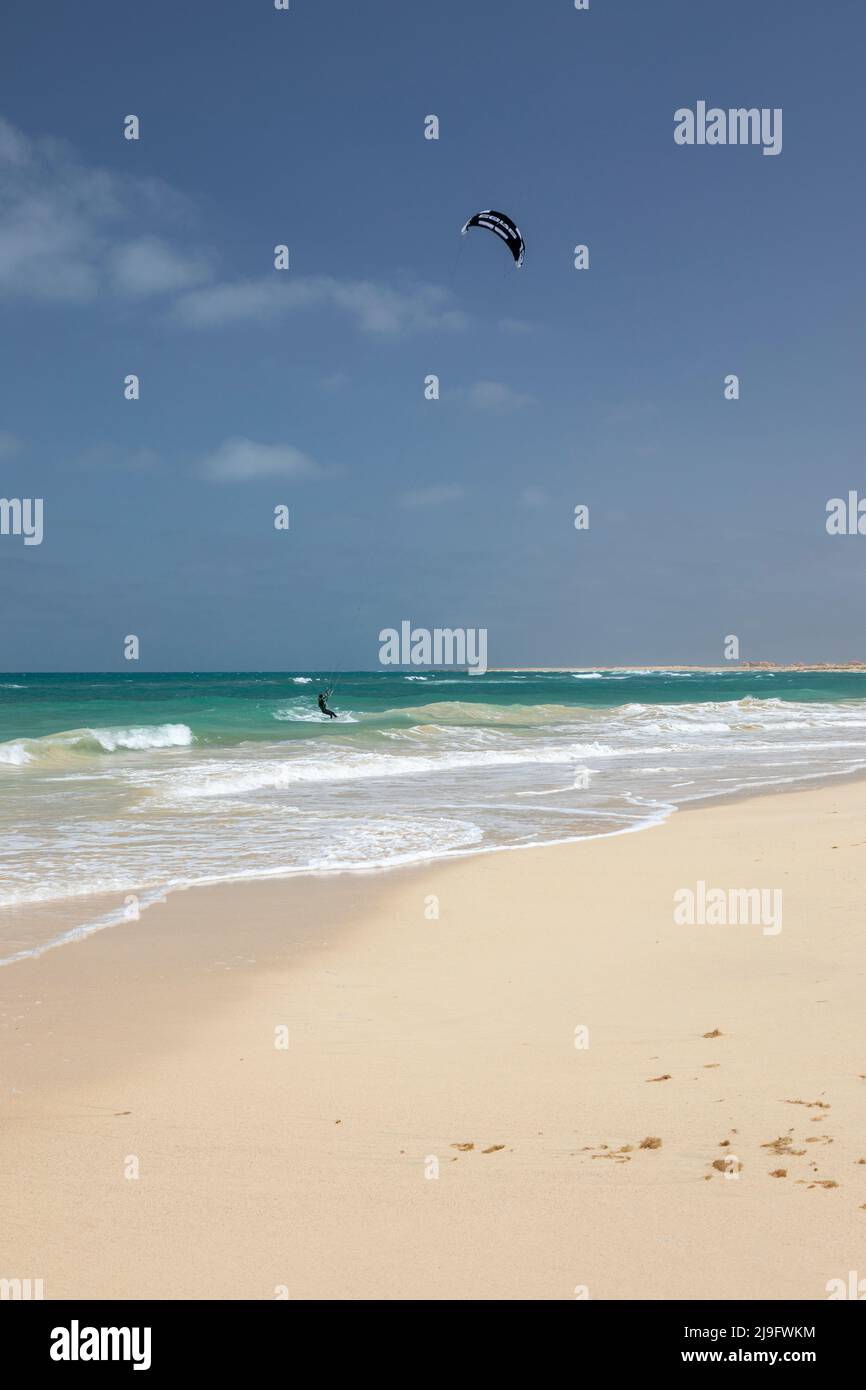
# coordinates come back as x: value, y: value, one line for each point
x: 51, y: 747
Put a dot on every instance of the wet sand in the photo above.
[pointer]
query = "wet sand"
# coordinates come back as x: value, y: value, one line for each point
x: 431, y: 1130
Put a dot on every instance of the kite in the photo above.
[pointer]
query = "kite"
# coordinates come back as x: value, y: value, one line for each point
x: 504, y: 228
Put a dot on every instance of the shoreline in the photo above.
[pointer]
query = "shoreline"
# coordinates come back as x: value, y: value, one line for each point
x: 93, y: 926
x: 409, y: 1037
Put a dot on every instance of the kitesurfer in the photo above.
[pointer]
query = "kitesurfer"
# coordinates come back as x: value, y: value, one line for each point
x: 323, y: 703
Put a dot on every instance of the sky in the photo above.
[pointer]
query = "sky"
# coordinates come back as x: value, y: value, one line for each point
x: 305, y: 388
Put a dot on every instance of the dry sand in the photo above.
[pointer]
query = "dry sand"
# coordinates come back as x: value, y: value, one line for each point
x: 416, y: 1042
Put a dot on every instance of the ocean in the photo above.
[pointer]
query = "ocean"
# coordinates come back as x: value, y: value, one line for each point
x: 118, y: 785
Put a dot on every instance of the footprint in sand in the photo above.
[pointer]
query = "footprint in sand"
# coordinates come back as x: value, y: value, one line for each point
x: 622, y: 1154
x: 782, y: 1145
x: 468, y: 1147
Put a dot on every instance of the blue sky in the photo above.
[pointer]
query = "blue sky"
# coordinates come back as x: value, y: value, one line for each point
x: 558, y: 387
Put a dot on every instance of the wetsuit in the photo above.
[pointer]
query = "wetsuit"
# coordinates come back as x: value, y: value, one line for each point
x: 323, y: 695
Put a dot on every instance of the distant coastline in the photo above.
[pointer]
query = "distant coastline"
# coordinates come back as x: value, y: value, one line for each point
x: 677, y: 666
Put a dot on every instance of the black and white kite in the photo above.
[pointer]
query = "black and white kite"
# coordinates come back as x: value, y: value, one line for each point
x: 503, y: 226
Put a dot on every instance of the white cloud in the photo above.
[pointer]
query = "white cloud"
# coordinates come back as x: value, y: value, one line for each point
x: 335, y: 382
x: 74, y: 234
x: 69, y: 233
x: 150, y: 266
x: 13, y: 146
x: 9, y: 444
x: 375, y: 308
x: 238, y: 459
x: 431, y: 496
x: 534, y: 497
x: 495, y: 395
x: 225, y: 304
x: 517, y: 326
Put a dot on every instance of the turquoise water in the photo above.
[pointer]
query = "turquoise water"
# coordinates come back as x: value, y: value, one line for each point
x: 226, y: 706
x: 123, y: 784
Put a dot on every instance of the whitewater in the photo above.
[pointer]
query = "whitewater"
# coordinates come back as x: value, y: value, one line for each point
x: 111, y: 787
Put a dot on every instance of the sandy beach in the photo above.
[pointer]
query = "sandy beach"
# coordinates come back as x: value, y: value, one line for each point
x: 431, y: 1130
